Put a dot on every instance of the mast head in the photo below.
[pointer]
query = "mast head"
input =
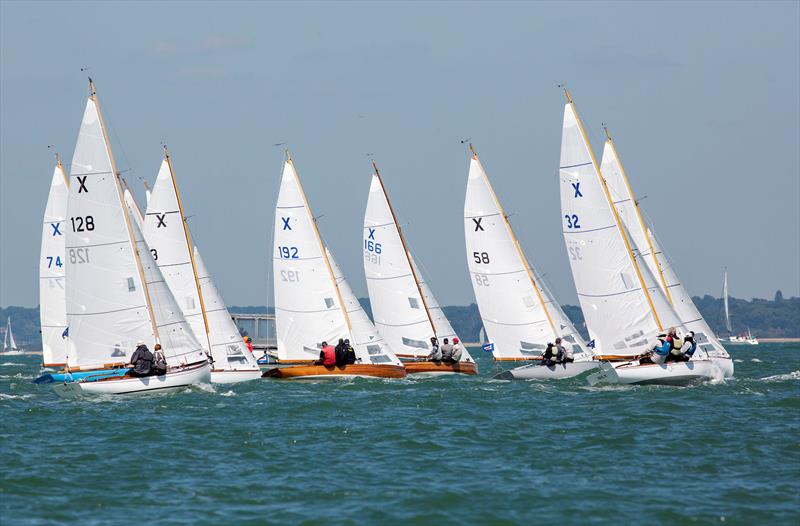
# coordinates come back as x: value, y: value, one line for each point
x: 608, y: 134
x: 375, y: 167
x: 288, y: 156
x: 92, y: 90
x: 472, y: 150
x: 166, y: 151
x: 58, y: 160
x: 566, y: 93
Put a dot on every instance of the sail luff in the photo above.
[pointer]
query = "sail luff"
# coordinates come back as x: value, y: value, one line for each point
x: 641, y: 222
x: 617, y: 220
x: 725, y: 302
x: 514, y: 239
x: 120, y: 195
x: 405, y: 249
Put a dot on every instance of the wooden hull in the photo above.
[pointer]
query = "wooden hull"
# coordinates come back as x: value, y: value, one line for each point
x: 345, y: 371
x: 439, y: 368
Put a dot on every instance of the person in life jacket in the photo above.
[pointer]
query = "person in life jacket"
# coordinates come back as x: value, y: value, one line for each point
x: 676, y: 349
x: 659, y: 353
x: 349, y: 352
x: 341, y: 353
x: 549, y: 355
x: 159, y: 361
x: 436, y: 354
x: 687, y: 349
x: 249, y: 343
x: 447, y: 350
x: 141, y: 361
x: 458, y: 350
x: 564, y: 354
x: 327, y: 356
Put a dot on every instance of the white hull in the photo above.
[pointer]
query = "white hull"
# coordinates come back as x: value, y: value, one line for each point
x: 16, y: 352
x: 171, y: 381
x: 234, y: 377
x: 536, y: 371
x: 675, y: 373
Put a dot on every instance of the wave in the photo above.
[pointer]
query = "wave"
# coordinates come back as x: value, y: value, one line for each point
x: 794, y: 375
x: 756, y: 360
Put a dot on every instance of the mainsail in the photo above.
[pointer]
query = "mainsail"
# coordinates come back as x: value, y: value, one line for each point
x: 8, y: 342
x: 519, y: 314
x: 52, y: 261
x: 403, y: 306
x: 113, y: 298
x: 725, y: 303
x: 313, y: 302
x: 645, y: 241
x: 621, y: 302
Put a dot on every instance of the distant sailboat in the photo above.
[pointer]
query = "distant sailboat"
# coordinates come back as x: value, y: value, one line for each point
x: 313, y: 302
x: 519, y: 314
x: 741, y: 339
x: 52, y: 261
x: 403, y: 306
x: 115, y: 294
x: 624, y: 306
x: 9, y: 344
x: 168, y: 237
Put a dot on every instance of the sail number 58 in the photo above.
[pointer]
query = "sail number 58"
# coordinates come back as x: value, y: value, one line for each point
x: 481, y: 257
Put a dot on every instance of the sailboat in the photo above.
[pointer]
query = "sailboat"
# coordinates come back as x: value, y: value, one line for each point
x: 179, y: 260
x: 404, y: 309
x: 9, y: 344
x: 624, y: 306
x: 519, y: 314
x: 115, y: 293
x: 747, y: 339
x: 644, y: 240
x: 52, y: 303
x: 313, y: 302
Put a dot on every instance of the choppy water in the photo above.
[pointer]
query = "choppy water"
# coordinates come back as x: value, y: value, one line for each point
x: 437, y: 451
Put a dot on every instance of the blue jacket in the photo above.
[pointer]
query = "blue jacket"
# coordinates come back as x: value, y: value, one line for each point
x: 663, y: 349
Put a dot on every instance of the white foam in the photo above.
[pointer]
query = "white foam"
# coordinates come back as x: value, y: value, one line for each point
x: 756, y: 360
x: 794, y: 375
x: 4, y: 396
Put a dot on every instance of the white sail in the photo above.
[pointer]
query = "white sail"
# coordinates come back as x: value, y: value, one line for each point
x: 227, y: 348
x: 8, y: 343
x: 52, y: 261
x: 175, y: 335
x: 107, y: 299
x: 519, y: 315
x: 166, y: 234
x: 133, y: 206
x: 403, y: 306
x: 725, y: 302
x: 651, y: 252
x: 621, y: 302
x: 369, y: 345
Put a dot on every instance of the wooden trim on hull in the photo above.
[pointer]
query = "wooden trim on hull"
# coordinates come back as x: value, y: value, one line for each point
x: 441, y: 367
x: 520, y: 359
x: 321, y: 371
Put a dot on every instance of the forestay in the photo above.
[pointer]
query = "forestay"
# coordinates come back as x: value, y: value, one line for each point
x: 519, y: 315
x: 227, y: 348
x: 52, y: 301
x: 620, y: 312
x: 403, y: 306
x: 650, y: 250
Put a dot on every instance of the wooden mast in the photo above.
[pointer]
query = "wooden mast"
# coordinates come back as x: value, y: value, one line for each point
x: 322, y: 246
x: 405, y: 248
x: 516, y: 242
x: 189, y: 246
x: 614, y: 212
x: 131, y: 237
x: 638, y: 213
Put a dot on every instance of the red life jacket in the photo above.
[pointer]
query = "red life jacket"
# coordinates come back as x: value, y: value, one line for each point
x: 330, y: 355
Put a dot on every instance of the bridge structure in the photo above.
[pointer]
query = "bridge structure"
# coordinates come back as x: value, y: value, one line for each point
x: 260, y: 328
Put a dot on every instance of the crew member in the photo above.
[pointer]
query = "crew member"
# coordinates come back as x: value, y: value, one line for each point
x: 141, y: 361
x: 436, y: 353
x: 327, y: 356
x: 549, y: 355
x: 447, y: 350
x: 341, y: 353
x: 458, y: 350
x: 349, y: 352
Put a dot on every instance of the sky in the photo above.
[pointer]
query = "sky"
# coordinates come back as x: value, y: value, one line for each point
x: 702, y: 98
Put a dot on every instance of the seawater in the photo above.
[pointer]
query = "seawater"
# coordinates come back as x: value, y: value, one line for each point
x: 433, y: 451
